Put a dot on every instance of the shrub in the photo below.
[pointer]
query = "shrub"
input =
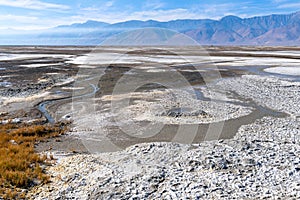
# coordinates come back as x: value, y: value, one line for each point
x: 20, y: 165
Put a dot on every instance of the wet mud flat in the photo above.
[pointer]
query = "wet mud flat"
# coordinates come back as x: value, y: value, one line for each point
x: 48, y: 81
x: 160, y: 122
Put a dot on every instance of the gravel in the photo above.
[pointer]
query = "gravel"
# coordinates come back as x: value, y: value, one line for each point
x: 180, y: 107
x: 24, y: 91
x: 260, y: 162
x: 275, y: 93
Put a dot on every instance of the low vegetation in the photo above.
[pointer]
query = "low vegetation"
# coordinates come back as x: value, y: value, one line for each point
x: 20, y: 166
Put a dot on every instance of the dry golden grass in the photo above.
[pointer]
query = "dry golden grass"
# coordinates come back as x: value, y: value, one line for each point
x: 20, y: 165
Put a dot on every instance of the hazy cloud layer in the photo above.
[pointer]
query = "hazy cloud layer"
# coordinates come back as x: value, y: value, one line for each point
x: 31, y: 14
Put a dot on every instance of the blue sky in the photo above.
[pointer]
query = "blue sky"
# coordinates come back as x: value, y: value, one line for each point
x: 39, y: 14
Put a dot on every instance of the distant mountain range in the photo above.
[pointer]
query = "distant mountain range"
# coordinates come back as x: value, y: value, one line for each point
x: 231, y: 30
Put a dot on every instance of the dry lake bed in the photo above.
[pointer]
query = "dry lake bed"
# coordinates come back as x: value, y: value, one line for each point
x: 160, y: 122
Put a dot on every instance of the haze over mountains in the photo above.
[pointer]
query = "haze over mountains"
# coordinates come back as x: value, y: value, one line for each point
x: 231, y: 30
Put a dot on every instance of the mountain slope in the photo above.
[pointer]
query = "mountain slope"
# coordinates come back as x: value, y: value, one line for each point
x: 230, y: 30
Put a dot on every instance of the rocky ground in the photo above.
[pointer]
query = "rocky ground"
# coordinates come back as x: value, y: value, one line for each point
x: 276, y: 93
x: 179, y: 107
x: 260, y: 162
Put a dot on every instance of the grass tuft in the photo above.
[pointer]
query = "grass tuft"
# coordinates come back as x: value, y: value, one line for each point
x: 20, y: 165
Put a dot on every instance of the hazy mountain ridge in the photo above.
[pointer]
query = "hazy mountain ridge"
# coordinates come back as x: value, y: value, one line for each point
x: 230, y: 30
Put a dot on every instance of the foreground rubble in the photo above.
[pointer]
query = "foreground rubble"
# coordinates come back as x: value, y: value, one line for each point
x: 261, y: 161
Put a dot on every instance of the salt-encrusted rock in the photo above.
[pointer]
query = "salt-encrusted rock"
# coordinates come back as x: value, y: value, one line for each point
x: 261, y: 161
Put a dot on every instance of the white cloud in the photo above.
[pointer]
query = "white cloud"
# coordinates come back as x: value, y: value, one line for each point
x: 17, y: 18
x: 289, y: 5
x: 90, y: 9
x: 279, y: 1
x: 164, y: 15
x: 109, y: 4
x: 154, y: 4
x: 111, y: 13
x: 158, y: 14
x: 94, y: 10
x: 26, y: 22
x: 33, y: 4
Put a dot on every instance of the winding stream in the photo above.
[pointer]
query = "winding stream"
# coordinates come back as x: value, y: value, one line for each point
x: 43, y: 105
